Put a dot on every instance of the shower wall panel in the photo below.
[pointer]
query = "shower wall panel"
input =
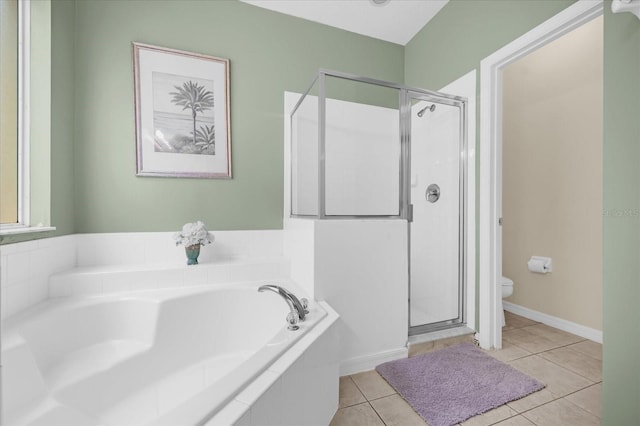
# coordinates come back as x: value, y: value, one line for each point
x: 362, y: 159
x: 435, y: 230
x: 304, y: 158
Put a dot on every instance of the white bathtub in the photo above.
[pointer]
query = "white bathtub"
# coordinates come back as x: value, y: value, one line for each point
x: 173, y: 356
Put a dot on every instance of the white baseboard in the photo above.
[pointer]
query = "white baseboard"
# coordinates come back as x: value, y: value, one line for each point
x: 369, y: 362
x: 559, y: 323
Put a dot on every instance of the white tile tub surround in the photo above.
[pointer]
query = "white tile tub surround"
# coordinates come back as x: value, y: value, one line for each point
x: 158, y: 248
x: 151, y: 260
x: 113, y: 261
x: 98, y: 280
x: 25, y: 269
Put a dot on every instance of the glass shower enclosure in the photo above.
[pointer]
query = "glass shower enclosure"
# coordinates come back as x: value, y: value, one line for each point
x: 365, y: 148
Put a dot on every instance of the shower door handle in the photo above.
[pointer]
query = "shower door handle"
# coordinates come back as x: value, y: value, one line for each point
x: 433, y: 193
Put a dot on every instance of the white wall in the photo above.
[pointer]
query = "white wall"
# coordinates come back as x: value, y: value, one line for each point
x: 303, y: 171
x: 362, y: 272
x: 299, y: 248
x: 362, y: 151
x: 362, y: 158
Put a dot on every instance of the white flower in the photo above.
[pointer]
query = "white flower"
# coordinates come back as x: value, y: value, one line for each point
x: 192, y: 234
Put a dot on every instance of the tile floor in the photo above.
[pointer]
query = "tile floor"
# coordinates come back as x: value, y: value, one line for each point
x: 569, y: 365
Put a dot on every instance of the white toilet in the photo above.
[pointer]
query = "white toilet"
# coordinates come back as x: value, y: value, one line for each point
x: 507, y: 290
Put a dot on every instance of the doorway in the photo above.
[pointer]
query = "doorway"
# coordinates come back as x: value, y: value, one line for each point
x: 552, y: 180
x: 492, y: 67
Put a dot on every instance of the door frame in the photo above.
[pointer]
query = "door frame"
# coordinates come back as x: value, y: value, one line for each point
x: 490, y: 156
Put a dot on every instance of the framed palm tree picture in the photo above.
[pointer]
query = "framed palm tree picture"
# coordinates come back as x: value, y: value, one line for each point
x: 181, y: 113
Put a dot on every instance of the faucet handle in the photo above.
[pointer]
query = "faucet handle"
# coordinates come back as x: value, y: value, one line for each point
x: 305, y: 304
x: 292, y: 320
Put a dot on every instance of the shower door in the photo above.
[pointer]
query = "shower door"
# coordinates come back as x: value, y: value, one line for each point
x: 437, y: 233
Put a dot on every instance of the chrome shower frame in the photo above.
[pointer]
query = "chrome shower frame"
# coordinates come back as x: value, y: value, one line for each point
x: 404, y: 208
x: 405, y: 211
x: 461, y: 319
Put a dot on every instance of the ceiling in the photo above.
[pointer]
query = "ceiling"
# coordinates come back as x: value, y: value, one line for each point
x: 396, y: 21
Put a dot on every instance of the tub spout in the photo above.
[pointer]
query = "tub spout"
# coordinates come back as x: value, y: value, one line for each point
x: 297, y: 308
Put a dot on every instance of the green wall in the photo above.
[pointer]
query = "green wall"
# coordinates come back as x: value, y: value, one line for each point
x: 466, y: 31
x: 269, y: 53
x: 62, y: 117
x: 621, y: 375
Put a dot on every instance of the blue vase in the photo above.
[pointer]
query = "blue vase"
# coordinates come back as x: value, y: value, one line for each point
x: 192, y: 254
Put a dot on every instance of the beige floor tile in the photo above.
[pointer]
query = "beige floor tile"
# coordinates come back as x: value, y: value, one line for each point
x: 356, y: 415
x: 559, y: 381
x: 531, y: 401
x: 395, y: 411
x: 516, y: 321
x: 420, y: 348
x: 575, y: 361
x: 372, y: 385
x: 509, y: 352
x: 426, y: 347
x: 491, y: 417
x: 529, y: 341
x: 593, y: 349
x: 589, y: 399
x: 451, y: 341
x: 349, y: 393
x: 515, y: 421
x: 553, y: 334
x: 561, y: 413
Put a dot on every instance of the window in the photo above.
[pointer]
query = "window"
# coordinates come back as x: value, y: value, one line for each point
x: 25, y: 135
x: 9, y: 39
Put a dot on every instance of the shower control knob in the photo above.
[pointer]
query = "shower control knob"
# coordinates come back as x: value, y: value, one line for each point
x: 305, y: 304
x: 433, y: 193
x: 292, y: 320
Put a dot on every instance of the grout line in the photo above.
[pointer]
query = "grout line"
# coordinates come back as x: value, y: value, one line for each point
x: 386, y: 396
x: 361, y: 394
x: 359, y: 390
x: 377, y: 414
x: 593, y: 382
x: 570, y: 370
x: 584, y: 353
x: 554, y: 400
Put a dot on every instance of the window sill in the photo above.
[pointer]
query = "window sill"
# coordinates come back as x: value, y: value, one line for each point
x: 16, y: 230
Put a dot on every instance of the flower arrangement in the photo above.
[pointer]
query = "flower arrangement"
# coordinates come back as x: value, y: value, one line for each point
x: 193, y: 234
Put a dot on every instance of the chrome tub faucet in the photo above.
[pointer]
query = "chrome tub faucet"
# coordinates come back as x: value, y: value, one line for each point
x: 297, y: 307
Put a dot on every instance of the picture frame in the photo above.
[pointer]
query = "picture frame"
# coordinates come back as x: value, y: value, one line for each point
x: 182, y: 113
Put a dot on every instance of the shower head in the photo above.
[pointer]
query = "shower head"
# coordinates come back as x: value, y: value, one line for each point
x: 431, y: 108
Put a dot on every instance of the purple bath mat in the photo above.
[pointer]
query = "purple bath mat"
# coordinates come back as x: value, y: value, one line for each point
x: 449, y: 386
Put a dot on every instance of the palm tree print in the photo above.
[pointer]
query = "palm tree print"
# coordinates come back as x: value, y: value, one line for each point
x: 206, y: 139
x: 194, y: 97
